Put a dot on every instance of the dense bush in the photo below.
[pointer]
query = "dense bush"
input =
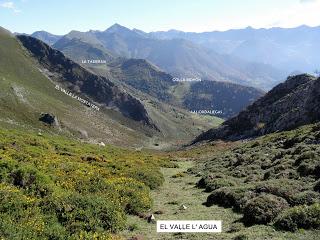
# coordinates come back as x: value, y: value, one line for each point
x: 285, y: 188
x: 235, y: 197
x: 282, y: 166
x: 263, y: 209
x: 317, y: 186
x: 218, y: 183
x: 32, y: 180
x: 216, y: 180
x: 85, y: 212
x: 57, y: 188
x: 134, y: 195
x: 305, y: 198
x: 205, y: 180
x: 20, y: 215
x: 299, y: 217
x: 241, y: 237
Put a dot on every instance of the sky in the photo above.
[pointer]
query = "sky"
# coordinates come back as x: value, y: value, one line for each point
x: 62, y: 16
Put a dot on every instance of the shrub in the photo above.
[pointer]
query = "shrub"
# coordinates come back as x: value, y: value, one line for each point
x: 241, y: 237
x: 85, y: 212
x: 218, y: 183
x: 20, y: 217
x: 134, y: 196
x: 32, y: 180
x: 235, y: 197
x: 317, y: 186
x: 236, y: 227
x: 69, y: 189
x: 6, y: 167
x: 317, y: 171
x: 178, y: 175
x: 299, y: 217
x: 285, y: 188
x: 305, y: 198
x: 150, y: 176
x: 263, y: 209
x: 305, y: 169
x: 214, y: 181
x: 205, y: 180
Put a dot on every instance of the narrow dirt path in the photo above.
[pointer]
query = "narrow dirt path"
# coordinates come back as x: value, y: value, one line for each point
x: 177, y: 191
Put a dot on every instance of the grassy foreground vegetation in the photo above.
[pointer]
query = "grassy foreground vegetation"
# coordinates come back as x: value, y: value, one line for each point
x: 272, y: 180
x: 55, y: 188
x: 179, y: 189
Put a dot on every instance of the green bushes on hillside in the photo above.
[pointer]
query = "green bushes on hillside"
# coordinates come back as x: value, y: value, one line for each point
x: 268, y: 176
x: 263, y: 209
x: 57, y: 188
x: 306, y: 217
x: 234, y: 197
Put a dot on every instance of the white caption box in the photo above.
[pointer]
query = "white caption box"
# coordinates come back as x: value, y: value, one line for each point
x: 189, y: 226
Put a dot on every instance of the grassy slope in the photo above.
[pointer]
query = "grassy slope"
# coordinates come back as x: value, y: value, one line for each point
x: 55, y: 186
x: 177, y: 125
x: 181, y: 190
x: 43, y: 170
x: 25, y: 93
x: 283, y: 164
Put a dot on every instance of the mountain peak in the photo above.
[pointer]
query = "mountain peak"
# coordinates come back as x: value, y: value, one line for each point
x: 46, y: 37
x: 174, y: 31
x: 117, y: 27
x: 4, y: 31
x: 41, y: 31
x: 249, y: 28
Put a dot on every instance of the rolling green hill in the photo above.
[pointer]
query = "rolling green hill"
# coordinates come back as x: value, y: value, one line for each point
x: 79, y: 80
x: 26, y: 93
x: 53, y: 187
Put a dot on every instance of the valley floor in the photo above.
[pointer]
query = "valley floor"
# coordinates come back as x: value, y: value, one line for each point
x: 181, y: 190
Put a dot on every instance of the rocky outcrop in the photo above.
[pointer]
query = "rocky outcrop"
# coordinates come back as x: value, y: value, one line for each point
x: 287, y: 106
x: 49, y: 119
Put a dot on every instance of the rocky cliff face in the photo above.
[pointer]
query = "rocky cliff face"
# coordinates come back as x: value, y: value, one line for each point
x: 81, y: 81
x: 289, y: 105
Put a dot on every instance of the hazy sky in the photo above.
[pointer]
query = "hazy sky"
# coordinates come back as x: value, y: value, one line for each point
x: 60, y: 17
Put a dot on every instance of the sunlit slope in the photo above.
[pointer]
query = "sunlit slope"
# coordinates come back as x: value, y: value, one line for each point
x: 26, y: 93
x: 52, y: 187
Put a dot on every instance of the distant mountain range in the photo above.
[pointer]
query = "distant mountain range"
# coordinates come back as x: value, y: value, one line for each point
x: 289, y: 49
x: 291, y: 104
x: 144, y: 76
x: 46, y: 37
x: 256, y: 57
x: 179, y: 57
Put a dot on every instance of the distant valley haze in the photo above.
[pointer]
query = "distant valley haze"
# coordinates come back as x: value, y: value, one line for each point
x: 252, y: 57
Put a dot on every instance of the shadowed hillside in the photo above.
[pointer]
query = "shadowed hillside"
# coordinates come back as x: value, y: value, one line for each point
x: 287, y: 106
